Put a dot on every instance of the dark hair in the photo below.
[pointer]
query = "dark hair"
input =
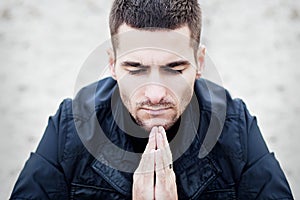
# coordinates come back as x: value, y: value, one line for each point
x: 167, y: 14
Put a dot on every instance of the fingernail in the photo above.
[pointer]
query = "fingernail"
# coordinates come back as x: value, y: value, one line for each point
x: 153, y: 131
x: 161, y: 129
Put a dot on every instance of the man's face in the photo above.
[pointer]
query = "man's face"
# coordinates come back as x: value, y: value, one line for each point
x: 155, y: 72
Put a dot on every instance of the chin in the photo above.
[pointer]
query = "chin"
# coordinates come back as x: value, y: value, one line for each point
x: 149, y: 124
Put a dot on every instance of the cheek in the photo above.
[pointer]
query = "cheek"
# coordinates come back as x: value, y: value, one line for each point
x: 130, y: 98
x: 125, y: 96
x: 183, y: 91
x: 185, y: 99
x: 189, y: 79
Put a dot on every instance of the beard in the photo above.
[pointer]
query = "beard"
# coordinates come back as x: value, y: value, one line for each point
x: 164, y: 113
x: 138, y: 110
x: 147, y: 124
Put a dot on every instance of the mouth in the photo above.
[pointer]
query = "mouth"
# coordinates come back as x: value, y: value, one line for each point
x: 155, y: 111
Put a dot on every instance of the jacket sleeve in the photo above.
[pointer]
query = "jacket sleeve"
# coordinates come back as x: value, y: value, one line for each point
x: 42, y: 177
x: 262, y: 177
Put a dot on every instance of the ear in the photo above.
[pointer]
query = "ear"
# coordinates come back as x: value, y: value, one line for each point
x: 201, y: 59
x: 111, y: 62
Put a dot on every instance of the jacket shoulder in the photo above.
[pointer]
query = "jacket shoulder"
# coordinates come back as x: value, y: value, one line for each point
x: 74, y: 114
x: 229, y: 114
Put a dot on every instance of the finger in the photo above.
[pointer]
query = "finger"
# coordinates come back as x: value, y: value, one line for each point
x: 143, y: 178
x: 159, y: 163
x: 152, y: 140
x: 162, y: 159
x: 147, y: 164
x: 163, y: 144
x: 160, y: 140
x: 164, y: 174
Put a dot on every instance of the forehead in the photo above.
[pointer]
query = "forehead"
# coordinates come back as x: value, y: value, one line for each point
x: 137, y: 42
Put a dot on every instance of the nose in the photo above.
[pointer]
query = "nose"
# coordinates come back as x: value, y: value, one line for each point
x: 155, y: 93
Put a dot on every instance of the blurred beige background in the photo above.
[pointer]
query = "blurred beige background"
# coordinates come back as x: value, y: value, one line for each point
x: 255, y: 46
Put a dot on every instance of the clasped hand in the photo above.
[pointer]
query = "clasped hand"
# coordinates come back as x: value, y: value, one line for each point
x: 154, y: 178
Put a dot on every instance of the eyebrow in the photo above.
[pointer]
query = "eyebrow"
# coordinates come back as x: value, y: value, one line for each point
x: 134, y: 64
x: 177, y: 63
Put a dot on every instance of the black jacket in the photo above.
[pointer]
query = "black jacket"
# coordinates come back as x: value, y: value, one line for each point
x: 87, y: 153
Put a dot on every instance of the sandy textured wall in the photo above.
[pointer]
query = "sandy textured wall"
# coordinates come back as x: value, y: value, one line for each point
x: 254, y: 45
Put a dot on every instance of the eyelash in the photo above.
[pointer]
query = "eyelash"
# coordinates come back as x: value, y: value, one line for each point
x: 173, y: 71
x: 135, y: 72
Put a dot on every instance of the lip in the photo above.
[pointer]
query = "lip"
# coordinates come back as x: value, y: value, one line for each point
x: 155, y: 112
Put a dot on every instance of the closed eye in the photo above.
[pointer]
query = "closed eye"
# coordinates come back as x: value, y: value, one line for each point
x: 174, y: 70
x: 135, y: 71
x: 134, y: 68
x: 176, y: 67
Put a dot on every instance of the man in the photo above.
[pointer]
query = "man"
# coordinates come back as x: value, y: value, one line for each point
x: 156, y: 129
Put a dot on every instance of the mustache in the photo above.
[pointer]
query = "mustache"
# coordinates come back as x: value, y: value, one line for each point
x: 161, y: 104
